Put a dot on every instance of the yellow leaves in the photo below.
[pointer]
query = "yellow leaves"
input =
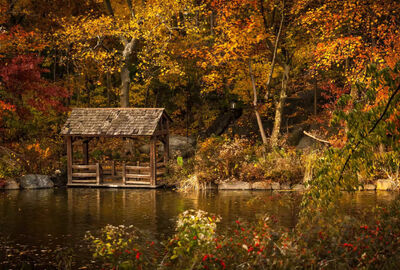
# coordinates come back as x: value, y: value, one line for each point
x: 43, y: 153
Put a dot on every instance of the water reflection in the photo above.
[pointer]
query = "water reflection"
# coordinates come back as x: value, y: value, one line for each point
x: 64, y: 215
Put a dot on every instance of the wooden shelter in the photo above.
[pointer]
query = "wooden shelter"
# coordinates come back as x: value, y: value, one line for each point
x: 85, y: 124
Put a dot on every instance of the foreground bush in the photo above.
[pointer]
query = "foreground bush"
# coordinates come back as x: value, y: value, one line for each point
x: 198, y: 244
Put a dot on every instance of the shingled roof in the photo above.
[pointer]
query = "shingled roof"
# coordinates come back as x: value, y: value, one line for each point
x: 113, y: 121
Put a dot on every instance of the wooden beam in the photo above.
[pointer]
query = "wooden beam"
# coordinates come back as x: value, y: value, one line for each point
x: 69, y: 159
x: 84, y: 181
x: 85, y: 174
x: 153, y: 165
x: 138, y: 168
x: 134, y: 175
x: 79, y: 166
x: 138, y: 182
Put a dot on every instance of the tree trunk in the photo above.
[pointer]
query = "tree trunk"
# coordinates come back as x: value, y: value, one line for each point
x: 280, y: 104
x: 125, y: 77
x: 259, y: 121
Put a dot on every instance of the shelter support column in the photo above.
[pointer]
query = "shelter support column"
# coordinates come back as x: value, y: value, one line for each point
x: 153, y: 161
x: 69, y: 158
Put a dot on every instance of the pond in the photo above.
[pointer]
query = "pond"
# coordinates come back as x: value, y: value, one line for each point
x: 61, y: 217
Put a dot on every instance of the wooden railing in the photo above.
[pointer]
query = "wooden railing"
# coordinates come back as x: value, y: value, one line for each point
x: 135, y: 174
x: 86, y: 174
x: 139, y: 174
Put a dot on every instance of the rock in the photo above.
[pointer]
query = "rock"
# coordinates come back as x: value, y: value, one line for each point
x: 178, y: 146
x: 298, y: 187
x: 384, y: 184
x: 369, y: 187
x: 33, y: 181
x: 235, y: 185
x: 306, y: 142
x: 11, y: 184
x: 275, y: 186
x: 285, y: 186
x: 261, y: 185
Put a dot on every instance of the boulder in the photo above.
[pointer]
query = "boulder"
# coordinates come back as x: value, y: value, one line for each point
x: 235, y: 185
x: 306, y: 142
x: 298, y: 187
x: 34, y: 181
x: 369, y: 187
x: 178, y: 146
x: 11, y: 184
x: 285, y: 186
x: 275, y: 186
x: 384, y: 184
x: 261, y: 185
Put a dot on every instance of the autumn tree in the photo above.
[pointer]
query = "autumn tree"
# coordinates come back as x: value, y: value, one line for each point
x: 131, y: 38
x: 252, y: 55
x: 348, y: 36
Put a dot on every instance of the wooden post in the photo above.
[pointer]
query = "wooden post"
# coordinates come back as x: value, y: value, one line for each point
x: 98, y: 173
x: 85, y: 146
x: 153, y: 161
x: 113, y: 168
x: 69, y: 158
x: 124, y: 173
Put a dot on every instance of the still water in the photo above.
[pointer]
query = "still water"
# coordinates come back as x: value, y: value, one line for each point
x: 62, y: 216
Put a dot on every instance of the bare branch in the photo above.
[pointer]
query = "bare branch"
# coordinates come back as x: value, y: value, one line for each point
x: 315, y: 138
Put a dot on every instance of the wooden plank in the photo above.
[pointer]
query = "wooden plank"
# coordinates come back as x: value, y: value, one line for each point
x: 128, y: 167
x: 160, y: 173
x: 138, y: 182
x: 90, y: 167
x: 69, y: 158
x: 132, y: 175
x: 84, y: 181
x: 84, y: 174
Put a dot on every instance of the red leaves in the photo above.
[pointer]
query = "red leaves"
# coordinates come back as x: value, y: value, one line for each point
x: 24, y: 86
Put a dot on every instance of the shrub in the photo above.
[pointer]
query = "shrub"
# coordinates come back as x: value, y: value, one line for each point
x: 121, y: 247
x: 283, y: 166
x: 195, y: 234
x: 220, y: 158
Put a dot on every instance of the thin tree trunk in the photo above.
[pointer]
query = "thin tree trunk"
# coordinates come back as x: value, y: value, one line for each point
x: 274, y: 52
x: 126, y: 58
x: 279, y: 107
x: 125, y: 78
x: 259, y: 121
